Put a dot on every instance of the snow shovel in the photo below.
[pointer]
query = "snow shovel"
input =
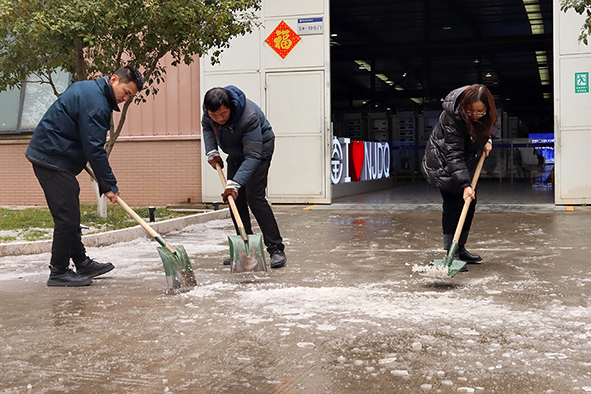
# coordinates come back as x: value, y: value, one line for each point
x: 177, y: 266
x: 246, y: 251
x: 448, y: 267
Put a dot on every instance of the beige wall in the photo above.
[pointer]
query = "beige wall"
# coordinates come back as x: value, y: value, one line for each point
x: 156, y: 159
x: 148, y: 173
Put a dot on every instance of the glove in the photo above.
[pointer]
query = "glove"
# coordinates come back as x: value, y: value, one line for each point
x: 230, y: 191
x: 214, y: 160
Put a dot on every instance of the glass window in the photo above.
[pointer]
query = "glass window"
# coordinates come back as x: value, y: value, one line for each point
x: 39, y: 97
x: 9, y: 104
x: 21, y: 110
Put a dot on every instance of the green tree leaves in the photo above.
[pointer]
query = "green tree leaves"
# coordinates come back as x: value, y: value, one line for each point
x: 580, y: 7
x: 90, y: 38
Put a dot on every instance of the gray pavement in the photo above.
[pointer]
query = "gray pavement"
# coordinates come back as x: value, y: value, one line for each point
x: 347, y: 315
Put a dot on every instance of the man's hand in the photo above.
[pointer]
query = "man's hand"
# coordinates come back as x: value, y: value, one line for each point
x: 469, y: 193
x: 214, y: 160
x: 112, y: 196
x: 230, y: 191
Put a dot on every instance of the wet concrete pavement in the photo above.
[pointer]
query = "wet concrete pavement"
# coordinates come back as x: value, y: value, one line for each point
x: 347, y: 315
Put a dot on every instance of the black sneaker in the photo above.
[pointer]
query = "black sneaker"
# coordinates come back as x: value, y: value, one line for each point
x: 91, y: 268
x: 278, y: 259
x: 227, y: 261
x: 67, y: 278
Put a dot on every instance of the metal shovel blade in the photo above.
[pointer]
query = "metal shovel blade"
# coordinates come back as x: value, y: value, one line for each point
x: 441, y: 268
x: 177, y: 267
x: 444, y: 268
x: 247, y: 256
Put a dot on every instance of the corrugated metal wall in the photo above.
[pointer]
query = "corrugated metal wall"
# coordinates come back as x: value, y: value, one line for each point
x: 156, y: 159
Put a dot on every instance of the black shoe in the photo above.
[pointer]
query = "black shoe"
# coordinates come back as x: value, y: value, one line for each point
x: 278, y: 259
x: 469, y: 257
x: 67, y: 278
x: 227, y: 261
x: 91, y: 268
x: 463, y: 269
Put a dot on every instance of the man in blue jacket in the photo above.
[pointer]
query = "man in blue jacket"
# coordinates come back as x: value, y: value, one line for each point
x: 73, y: 132
x: 239, y: 127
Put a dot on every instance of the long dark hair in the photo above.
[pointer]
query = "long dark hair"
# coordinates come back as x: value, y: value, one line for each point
x: 480, y: 130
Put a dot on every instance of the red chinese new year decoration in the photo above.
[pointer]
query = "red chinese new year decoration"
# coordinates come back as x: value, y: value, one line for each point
x: 283, y: 39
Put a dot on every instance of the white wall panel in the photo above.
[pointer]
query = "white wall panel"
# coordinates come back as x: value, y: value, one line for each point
x: 293, y: 7
x: 308, y: 52
x: 295, y: 173
x: 249, y: 83
x: 571, y: 110
x: 290, y: 108
x: 567, y: 35
x: 574, y: 108
x: 296, y: 109
x: 243, y: 55
x: 294, y: 94
x: 575, y: 160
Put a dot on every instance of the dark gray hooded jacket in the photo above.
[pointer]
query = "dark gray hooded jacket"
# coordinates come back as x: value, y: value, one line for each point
x: 451, y: 154
x: 246, y: 137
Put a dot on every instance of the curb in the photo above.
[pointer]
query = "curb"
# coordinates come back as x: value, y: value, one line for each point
x: 116, y: 236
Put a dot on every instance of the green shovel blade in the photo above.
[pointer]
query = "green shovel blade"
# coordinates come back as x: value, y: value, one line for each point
x: 444, y: 268
x: 247, y: 256
x: 177, y: 267
x: 441, y: 268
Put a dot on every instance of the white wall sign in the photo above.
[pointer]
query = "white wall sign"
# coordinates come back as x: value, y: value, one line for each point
x: 308, y: 26
x: 359, y: 160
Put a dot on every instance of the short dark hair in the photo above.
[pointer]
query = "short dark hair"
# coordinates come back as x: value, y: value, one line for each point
x: 216, y: 97
x: 130, y: 74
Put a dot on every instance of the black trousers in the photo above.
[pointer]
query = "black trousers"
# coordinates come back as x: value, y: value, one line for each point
x: 62, y: 192
x: 252, y: 195
x: 452, y: 209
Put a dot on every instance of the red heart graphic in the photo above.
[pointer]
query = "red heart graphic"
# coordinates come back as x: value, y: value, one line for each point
x: 357, y: 155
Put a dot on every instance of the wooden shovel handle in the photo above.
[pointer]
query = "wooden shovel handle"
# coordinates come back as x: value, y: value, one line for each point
x: 468, y: 200
x: 232, y: 205
x: 135, y: 216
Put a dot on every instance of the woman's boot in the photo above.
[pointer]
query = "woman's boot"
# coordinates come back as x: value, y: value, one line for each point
x: 464, y: 254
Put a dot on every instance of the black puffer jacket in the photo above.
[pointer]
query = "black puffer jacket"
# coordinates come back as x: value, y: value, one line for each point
x: 451, y: 155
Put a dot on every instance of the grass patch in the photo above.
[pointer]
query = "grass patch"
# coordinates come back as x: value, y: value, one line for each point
x: 21, y: 219
x: 32, y: 224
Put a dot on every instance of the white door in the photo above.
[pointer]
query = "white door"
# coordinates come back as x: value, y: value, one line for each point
x: 296, y: 108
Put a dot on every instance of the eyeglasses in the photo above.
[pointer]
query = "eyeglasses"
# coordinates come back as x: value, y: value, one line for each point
x: 479, y: 114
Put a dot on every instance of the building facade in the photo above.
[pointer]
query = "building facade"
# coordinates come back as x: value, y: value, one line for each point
x: 156, y: 159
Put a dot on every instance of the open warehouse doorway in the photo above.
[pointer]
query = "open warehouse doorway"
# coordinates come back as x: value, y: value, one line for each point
x: 392, y: 63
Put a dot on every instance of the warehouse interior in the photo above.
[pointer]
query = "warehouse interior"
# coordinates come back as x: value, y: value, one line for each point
x: 393, y: 62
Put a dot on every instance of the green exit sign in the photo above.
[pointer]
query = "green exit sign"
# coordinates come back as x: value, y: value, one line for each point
x: 582, y: 82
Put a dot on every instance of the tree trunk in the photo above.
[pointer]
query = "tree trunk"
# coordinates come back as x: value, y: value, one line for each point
x: 101, y: 201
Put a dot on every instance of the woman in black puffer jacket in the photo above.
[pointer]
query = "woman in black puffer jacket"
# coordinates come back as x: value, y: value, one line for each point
x: 462, y: 134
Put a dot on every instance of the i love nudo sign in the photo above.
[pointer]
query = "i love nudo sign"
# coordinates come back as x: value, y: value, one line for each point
x: 353, y: 161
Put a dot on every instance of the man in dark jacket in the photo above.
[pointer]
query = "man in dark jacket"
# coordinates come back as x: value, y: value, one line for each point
x: 238, y: 126
x: 73, y: 132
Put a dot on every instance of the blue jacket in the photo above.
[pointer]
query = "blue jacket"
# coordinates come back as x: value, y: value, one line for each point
x: 246, y: 137
x: 74, y: 129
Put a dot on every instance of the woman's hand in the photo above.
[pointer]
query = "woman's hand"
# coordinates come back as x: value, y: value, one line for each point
x: 487, y: 149
x: 469, y: 193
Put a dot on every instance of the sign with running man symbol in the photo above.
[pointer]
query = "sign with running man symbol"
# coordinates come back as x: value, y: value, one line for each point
x: 283, y: 39
x: 582, y: 82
